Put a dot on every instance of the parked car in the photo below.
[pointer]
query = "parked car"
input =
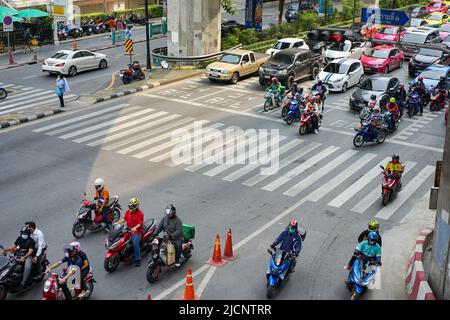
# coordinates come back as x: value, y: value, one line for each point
x: 70, y: 62
x: 382, y: 59
x: 287, y: 43
x: 346, y: 49
x: 382, y: 86
x: 418, y: 22
x: 436, y: 19
x: 446, y: 41
x: 437, y: 6
x: 418, y: 35
x: 228, y: 26
x: 444, y: 31
x: 339, y: 75
x: 390, y: 33
x: 426, y: 57
x: 234, y: 64
x: 432, y: 75
x: 419, y: 12
x: 290, y: 65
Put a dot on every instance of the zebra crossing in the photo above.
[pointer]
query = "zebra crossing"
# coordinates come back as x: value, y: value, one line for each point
x: 342, y: 178
x: 23, y: 98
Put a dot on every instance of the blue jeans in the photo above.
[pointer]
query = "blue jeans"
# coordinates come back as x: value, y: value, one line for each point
x: 136, y: 238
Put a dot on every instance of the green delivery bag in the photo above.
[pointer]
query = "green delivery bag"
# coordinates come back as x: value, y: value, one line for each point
x: 188, y: 232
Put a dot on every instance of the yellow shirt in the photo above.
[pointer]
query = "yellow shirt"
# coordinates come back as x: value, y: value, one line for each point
x: 394, y: 167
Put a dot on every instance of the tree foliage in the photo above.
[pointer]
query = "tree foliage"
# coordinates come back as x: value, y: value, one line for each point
x: 229, y: 6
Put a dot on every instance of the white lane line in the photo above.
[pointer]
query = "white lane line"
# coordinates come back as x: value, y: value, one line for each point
x: 91, y: 121
x: 205, y: 281
x: 353, y: 190
x: 120, y: 127
x: 402, y: 137
x: 288, y: 176
x: 7, y: 86
x: 283, y: 163
x: 105, y: 124
x: 19, y: 101
x: 41, y: 103
x: 315, y: 176
x: 147, y: 134
x: 414, y: 145
x: 116, y: 136
x: 17, y: 87
x: 317, y: 194
x: 153, y: 140
x: 83, y: 117
x: 26, y: 94
x: 407, y: 191
x: 373, y: 196
x: 244, y: 170
x: 30, y: 77
x: 207, y: 95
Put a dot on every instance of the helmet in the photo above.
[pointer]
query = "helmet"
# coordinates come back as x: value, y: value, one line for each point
x: 396, y: 157
x: 392, y: 100
x: 376, y: 108
x: 293, y: 225
x: 373, y: 237
x: 274, y: 80
x: 319, y: 82
x: 373, y: 97
x: 99, y: 183
x: 133, y: 204
x: 373, y: 225
x: 372, y: 104
x: 25, y: 232
x: 420, y: 78
x: 442, y: 78
x: 170, y: 209
x: 69, y: 251
x: 76, y: 246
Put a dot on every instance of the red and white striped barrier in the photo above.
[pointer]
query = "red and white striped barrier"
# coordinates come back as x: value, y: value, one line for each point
x: 417, y: 287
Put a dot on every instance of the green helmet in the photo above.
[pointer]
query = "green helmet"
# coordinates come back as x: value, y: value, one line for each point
x: 392, y: 100
x: 373, y: 225
x: 133, y: 204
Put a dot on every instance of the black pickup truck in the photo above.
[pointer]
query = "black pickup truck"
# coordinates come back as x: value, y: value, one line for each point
x: 290, y: 65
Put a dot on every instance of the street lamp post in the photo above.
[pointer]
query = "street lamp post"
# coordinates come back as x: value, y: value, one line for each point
x: 354, y: 14
x: 147, y: 37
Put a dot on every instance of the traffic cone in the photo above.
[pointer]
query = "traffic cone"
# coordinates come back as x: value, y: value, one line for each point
x: 216, y: 259
x: 189, y: 293
x: 75, y: 45
x: 228, y: 251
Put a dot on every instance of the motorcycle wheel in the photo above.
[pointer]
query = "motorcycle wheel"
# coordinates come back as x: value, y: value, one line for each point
x: 153, y: 273
x: 284, y: 112
x: 270, y: 292
x: 385, y: 199
x: 3, y: 293
x: 354, y: 295
x: 78, y: 230
x: 433, y: 106
x: 111, y: 263
x: 3, y: 94
x: 381, y: 136
x: 125, y: 80
x: 302, y: 130
x: 267, y: 106
x: 90, y: 287
x: 358, y: 140
x: 289, y: 119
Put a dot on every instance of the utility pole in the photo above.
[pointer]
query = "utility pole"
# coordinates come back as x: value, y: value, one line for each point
x: 354, y: 15
x: 147, y: 37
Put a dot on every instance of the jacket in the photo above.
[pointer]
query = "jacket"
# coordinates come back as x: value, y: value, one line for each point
x: 394, y: 168
x: 173, y: 227
x: 364, y: 235
x: 289, y: 243
x: 370, y: 252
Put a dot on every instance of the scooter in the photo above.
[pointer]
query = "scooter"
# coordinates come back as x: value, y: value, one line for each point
x: 306, y: 125
x: 294, y: 112
x: 54, y: 291
x: 134, y: 72
x: 3, y: 93
x: 366, y: 135
x: 437, y: 99
x: 120, y: 247
x: 86, y: 219
x: 160, y: 257
x: 390, y: 185
x: 413, y: 104
x: 389, y: 120
x: 360, y: 277
x: 270, y: 100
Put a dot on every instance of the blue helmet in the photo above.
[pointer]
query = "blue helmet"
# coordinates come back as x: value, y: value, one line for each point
x: 373, y: 237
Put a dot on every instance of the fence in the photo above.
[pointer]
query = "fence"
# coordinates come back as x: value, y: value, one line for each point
x: 42, y: 33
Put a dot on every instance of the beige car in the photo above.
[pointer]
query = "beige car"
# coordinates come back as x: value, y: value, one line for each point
x: 235, y: 64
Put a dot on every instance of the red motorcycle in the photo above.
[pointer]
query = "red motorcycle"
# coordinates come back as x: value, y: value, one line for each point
x: 134, y: 72
x: 437, y: 99
x: 120, y: 246
x: 306, y: 124
x: 391, y: 184
x: 53, y: 290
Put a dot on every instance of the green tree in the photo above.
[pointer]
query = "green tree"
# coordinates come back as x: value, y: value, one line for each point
x: 229, y: 6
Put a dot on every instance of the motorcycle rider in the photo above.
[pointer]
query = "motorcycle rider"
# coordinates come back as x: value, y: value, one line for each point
x: 400, y: 96
x: 24, y: 248
x: 291, y: 242
x: 375, y: 119
x: 392, y: 107
x: 173, y: 227
x: 374, y: 225
x: 279, y: 90
x: 396, y: 168
x: 101, y: 201
x: 442, y: 87
x: 85, y: 269
x: 312, y: 110
x: 420, y: 88
x: 369, y: 249
x: 134, y: 219
x: 74, y: 265
x: 41, y: 246
x: 294, y: 90
x: 322, y: 89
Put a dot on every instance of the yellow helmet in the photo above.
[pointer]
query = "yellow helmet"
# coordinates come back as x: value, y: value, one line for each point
x: 133, y: 204
x: 373, y: 225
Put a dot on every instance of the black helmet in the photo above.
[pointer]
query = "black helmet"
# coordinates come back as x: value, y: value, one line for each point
x: 69, y: 250
x: 319, y: 82
x: 396, y: 157
x: 171, y: 209
x: 25, y: 231
x: 442, y: 78
x: 373, y: 97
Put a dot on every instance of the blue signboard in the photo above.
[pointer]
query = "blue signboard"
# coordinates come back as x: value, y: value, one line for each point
x: 258, y: 14
x: 382, y: 16
x: 249, y: 13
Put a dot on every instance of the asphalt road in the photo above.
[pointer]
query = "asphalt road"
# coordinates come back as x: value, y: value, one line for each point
x: 323, y: 181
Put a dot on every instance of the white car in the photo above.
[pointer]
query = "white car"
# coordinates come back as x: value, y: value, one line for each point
x: 346, y: 49
x: 287, y: 43
x: 69, y: 62
x: 341, y: 74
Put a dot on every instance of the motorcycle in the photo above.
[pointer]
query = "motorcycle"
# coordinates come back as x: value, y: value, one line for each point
x: 294, y: 112
x: 134, y: 72
x: 3, y: 93
x: 437, y: 99
x: 388, y: 119
x: 120, y: 247
x: 269, y: 102
x: 306, y: 125
x: 413, y: 104
x: 86, y: 219
x: 389, y: 186
x: 160, y: 257
x: 73, y: 32
x: 53, y: 290
x: 11, y: 274
x: 366, y: 135
x: 320, y: 98
x: 285, y: 104
x: 360, y: 277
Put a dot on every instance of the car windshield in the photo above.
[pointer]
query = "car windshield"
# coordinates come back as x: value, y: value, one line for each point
x: 414, y: 38
x: 336, y: 68
x: 60, y: 55
x: 416, y: 10
x: 391, y: 31
x: 430, y: 52
x: 375, y: 84
x: 445, y: 28
x: 340, y: 46
x: 380, y: 54
x: 434, y: 17
x: 435, y: 5
x: 280, y: 45
x: 447, y: 39
x: 281, y: 58
x: 417, y: 22
x: 230, y: 58
x: 434, y: 74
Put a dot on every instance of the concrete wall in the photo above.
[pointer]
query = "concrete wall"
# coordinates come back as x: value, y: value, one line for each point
x: 193, y: 27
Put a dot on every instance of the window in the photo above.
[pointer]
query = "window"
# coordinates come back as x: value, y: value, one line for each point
x: 303, y: 57
x: 298, y: 44
x: 393, y: 83
x: 87, y: 54
x: 78, y: 55
x: 245, y: 59
x: 353, y: 67
x: 252, y: 57
x: 59, y: 55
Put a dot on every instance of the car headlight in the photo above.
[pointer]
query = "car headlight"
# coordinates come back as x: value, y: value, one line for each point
x: 282, y: 72
x: 225, y: 71
x: 261, y: 70
x: 208, y: 69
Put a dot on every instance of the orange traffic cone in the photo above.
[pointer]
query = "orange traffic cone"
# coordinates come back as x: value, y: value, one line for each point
x: 216, y: 259
x: 75, y: 46
x: 228, y: 251
x: 189, y: 293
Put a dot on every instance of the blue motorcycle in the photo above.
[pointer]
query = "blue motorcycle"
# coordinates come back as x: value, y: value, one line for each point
x: 366, y: 134
x: 294, y: 112
x: 413, y: 104
x: 3, y: 93
x: 277, y: 270
x: 360, y: 277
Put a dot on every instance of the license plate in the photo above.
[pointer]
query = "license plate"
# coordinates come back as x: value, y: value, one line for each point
x: 214, y: 74
x: 267, y: 77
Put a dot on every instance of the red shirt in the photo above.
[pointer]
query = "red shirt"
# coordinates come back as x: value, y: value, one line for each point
x: 133, y: 219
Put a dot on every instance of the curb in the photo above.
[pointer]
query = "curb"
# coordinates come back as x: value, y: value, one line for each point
x: 417, y: 287
x: 7, y: 124
x: 144, y: 87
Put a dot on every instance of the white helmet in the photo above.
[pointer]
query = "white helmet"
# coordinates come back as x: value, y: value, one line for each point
x: 376, y: 108
x: 99, y: 183
x: 76, y: 246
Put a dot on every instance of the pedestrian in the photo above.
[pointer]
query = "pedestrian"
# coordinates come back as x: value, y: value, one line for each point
x: 112, y: 25
x: 27, y: 40
x: 119, y: 25
x: 62, y: 86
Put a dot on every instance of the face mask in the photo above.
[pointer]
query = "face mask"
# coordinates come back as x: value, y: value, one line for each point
x: 291, y: 231
x: 67, y: 254
x: 24, y: 236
